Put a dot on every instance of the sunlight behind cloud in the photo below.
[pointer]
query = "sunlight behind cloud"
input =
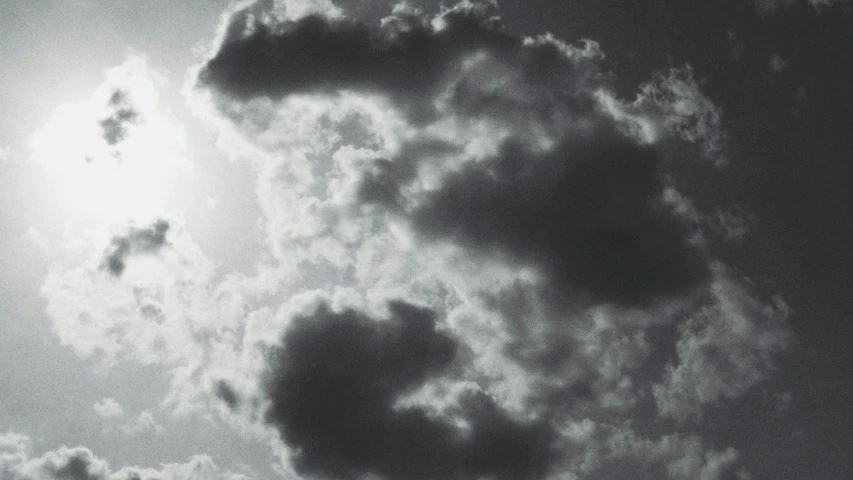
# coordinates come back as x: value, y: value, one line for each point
x: 115, y: 157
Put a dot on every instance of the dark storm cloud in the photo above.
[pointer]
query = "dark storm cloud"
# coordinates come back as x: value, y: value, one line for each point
x: 334, y: 385
x: 114, y: 127
x: 137, y: 240
x: 589, y: 214
x: 409, y: 59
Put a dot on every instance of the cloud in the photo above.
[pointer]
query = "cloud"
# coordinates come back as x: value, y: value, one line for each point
x: 64, y: 463
x: 116, y: 155
x: 731, y: 224
x: 508, y: 104
x: 122, y: 114
x: 141, y: 315
x: 503, y: 184
x: 227, y: 394
x: 499, y: 182
x: 689, y: 458
x: 620, y: 452
x: 145, y: 240
x: 676, y: 99
x: 108, y: 408
x: 333, y: 386
x: 79, y: 463
x: 778, y: 63
x: 407, y: 60
x: 589, y: 214
x: 728, y: 346
x: 196, y: 468
x: 767, y: 8
x: 143, y: 423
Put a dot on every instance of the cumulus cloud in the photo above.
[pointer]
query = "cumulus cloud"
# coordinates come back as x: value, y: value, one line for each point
x: 79, y: 463
x: 554, y: 138
x: 407, y: 60
x: 498, y: 182
x: 108, y: 408
x: 140, y: 314
x: 146, y: 240
x: 333, y: 386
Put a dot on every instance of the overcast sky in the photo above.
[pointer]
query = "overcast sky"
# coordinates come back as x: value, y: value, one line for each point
x: 360, y: 239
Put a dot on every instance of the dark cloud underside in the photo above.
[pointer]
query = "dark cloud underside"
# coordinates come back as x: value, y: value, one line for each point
x: 317, y: 54
x: 409, y: 60
x: 590, y: 214
x: 333, y: 387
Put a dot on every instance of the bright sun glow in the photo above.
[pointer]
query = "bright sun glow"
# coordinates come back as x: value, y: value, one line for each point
x: 115, y: 157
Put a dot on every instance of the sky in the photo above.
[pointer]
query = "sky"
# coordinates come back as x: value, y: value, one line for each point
x: 426, y: 240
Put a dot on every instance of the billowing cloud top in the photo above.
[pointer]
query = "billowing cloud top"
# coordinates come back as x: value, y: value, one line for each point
x: 502, y: 182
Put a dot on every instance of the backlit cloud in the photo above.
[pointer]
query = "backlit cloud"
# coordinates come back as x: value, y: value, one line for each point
x: 500, y: 182
x: 477, y: 260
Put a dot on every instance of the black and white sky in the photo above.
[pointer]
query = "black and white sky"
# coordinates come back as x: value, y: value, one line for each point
x: 426, y: 240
